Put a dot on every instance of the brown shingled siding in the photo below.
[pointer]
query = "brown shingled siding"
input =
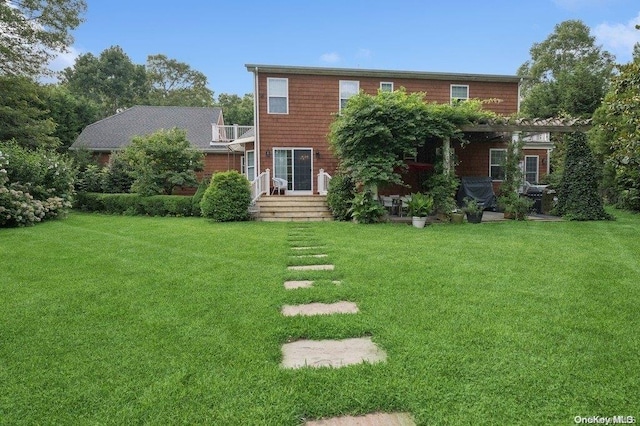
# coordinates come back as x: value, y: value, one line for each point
x: 313, y: 99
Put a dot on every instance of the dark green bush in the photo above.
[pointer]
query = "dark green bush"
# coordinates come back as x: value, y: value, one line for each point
x: 228, y: 197
x: 134, y: 204
x: 197, y: 197
x: 340, y: 195
x: 365, y: 208
x: 578, y: 195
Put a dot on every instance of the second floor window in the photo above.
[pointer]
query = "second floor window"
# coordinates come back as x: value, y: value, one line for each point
x: 459, y: 93
x: 348, y: 89
x: 278, y: 95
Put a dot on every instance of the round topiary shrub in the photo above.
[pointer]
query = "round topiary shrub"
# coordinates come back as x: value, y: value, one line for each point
x: 227, y: 198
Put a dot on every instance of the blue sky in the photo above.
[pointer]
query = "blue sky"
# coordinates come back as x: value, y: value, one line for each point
x: 219, y: 37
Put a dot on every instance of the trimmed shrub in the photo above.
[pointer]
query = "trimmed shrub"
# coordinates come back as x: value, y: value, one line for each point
x: 134, y: 204
x: 578, y: 196
x: 365, y: 208
x: 228, y: 198
x: 197, y: 197
x: 340, y: 195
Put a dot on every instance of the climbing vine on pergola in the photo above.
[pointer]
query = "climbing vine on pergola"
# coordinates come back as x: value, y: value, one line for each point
x: 373, y: 134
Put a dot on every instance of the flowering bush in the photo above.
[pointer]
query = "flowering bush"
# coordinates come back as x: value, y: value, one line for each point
x: 34, y: 185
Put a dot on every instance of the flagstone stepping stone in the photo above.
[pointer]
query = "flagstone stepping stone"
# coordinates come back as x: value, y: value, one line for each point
x: 300, y: 256
x: 306, y: 247
x: 310, y: 309
x: 375, y: 419
x: 289, y: 285
x: 311, y: 268
x: 331, y: 353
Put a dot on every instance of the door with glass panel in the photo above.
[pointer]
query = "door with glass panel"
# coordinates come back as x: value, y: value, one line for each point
x: 294, y: 166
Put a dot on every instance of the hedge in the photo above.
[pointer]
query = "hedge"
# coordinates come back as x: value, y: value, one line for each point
x: 134, y: 204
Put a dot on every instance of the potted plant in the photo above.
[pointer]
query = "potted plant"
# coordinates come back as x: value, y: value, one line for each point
x: 473, y: 209
x: 515, y: 206
x: 420, y: 206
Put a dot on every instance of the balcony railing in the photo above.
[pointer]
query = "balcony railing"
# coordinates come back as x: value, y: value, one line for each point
x: 228, y: 133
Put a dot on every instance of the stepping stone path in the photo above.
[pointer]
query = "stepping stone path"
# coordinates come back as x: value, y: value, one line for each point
x: 377, y: 419
x: 310, y: 309
x: 331, y: 353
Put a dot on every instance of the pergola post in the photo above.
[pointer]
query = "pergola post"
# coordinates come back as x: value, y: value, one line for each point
x: 446, y: 155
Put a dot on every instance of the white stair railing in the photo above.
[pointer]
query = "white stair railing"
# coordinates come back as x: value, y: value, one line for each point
x: 260, y: 185
x: 227, y: 133
x: 323, y: 182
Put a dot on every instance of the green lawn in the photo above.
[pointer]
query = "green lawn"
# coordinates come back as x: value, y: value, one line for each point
x: 136, y: 320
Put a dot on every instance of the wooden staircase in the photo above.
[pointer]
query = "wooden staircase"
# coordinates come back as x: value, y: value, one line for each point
x: 292, y: 208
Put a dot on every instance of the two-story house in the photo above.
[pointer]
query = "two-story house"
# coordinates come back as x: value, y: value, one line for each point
x: 294, y: 107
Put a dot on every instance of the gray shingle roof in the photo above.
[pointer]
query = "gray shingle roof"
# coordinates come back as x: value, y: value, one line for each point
x: 115, y: 132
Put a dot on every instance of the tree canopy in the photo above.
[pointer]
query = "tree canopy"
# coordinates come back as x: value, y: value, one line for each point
x: 567, y: 74
x: 31, y: 31
x: 176, y: 83
x: 236, y: 110
x: 111, y: 80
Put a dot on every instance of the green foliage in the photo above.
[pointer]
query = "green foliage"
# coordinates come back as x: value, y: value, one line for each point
x: 340, y: 195
x: 236, y: 110
x: 567, y: 73
x: 578, y: 196
x: 117, y: 177
x: 34, y: 185
x: 365, y: 208
x: 23, y: 115
x: 110, y: 80
x: 373, y: 134
x: 616, y: 138
x: 420, y: 205
x: 471, y: 206
x: 161, y: 161
x: 175, y: 83
x: 228, y: 197
x: 197, y: 197
x: 71, y: 113
x: 33, y: 31
x: 442, y: 187
x: 134, y: 204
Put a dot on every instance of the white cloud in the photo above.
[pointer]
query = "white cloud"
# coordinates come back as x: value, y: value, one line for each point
x: 619, y: 38
x: 60, y: 61
x: 330, y: 58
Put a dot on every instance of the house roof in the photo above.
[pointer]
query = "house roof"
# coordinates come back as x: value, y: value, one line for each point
x: 115, y: 132
x: 357, y: 72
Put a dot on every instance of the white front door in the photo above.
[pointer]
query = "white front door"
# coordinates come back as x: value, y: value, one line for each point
x: 295, y: 166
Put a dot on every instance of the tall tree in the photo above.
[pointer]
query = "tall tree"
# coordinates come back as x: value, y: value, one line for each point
x: 236, y: 110
x: 616, y: 137
x: 71, y: 113
x: 32, y: 30
x: 111, y: 80
x: 176, y: 83
x: 567, y: 73
x: 23, y: 114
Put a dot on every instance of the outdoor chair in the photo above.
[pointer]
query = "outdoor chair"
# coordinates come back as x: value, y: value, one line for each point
x: 279, y: 184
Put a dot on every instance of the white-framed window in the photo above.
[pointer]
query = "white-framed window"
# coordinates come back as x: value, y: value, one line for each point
x: 386, y: 86
x: 250, y: 165
x: 348, y: 88
x: 497, y: 158
x: 278, y: 95
x: 459, y: 93
x: 531, y: 168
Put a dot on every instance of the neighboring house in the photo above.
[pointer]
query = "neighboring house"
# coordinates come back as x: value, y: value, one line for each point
x: 296, y: 105
x: 114, y: 133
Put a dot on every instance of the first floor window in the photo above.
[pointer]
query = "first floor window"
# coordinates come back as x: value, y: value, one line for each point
x: 348, y: 89
x: 250, y: 164
x: 531, y: 168
x: 277, y: 95
x: 497, y: 158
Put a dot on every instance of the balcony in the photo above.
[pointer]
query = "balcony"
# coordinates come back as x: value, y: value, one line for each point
x: 231, y: 137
